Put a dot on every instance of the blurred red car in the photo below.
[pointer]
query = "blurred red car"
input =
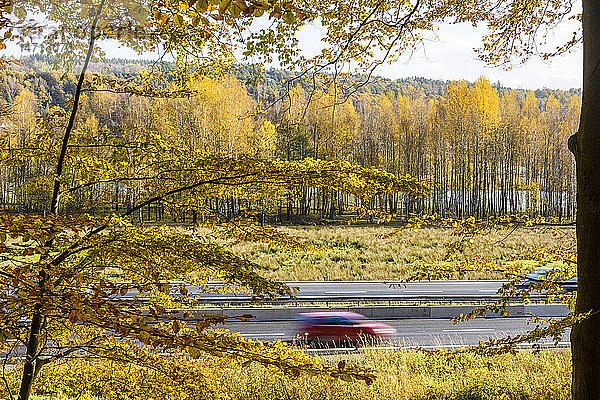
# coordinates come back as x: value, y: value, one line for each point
x: 340, y: 326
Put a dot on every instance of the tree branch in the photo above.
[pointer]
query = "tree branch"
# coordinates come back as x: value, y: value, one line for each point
x: 67, y: 135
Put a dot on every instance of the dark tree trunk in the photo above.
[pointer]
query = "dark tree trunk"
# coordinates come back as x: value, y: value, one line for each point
x: 585, y: 337
x: 32, y: 358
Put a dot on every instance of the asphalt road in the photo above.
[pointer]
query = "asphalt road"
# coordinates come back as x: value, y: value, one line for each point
x: 365, y: 290
x: 423, y: 288
x: 411, y: 332
x: 425, y: 333
x: 396, y: 289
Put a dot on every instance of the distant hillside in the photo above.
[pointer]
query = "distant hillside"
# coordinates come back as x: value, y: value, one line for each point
x: 52, y: 87
x: 488, y: 151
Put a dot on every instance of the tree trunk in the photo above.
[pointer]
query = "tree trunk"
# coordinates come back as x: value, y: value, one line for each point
x: 31, y: 366
x: 585, y: 340
x: 31, y: 356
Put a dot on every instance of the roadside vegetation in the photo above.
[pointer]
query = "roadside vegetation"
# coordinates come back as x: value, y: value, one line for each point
x: 385, y: 253
x: 409, y: 375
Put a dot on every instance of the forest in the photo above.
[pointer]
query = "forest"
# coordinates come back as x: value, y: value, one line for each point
x: 136, y: 193
x: 486, y: 149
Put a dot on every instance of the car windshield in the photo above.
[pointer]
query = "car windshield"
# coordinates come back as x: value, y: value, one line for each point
x: 548, y: 273
x: 555, y: 275
x: 333, y: 321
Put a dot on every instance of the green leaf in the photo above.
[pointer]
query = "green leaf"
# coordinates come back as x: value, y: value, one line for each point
x: 289, y: 17
x: 223, y: 6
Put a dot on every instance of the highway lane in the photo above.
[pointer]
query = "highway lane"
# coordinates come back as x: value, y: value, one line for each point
x: 428, y: 333
x: 422, y: 288
x: 411, y: 332
x: 367, y: 290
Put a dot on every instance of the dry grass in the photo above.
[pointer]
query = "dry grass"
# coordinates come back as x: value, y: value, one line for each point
x: 407, y: 375
x: 365, y: 253
x: 418, y: 376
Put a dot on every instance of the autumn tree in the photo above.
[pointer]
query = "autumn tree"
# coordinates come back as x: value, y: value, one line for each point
x: 366, y: 33
x: 60, y: 272
x: 410, y: 132
x: 216, y: 119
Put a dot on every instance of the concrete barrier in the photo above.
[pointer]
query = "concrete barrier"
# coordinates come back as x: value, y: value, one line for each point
x: 378, y: 312
x: 392, y: 312
x: 546, y: 310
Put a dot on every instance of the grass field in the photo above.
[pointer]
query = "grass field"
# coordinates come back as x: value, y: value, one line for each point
x: 418, y: 376
x: 367, y: 253
x: 407, y: 375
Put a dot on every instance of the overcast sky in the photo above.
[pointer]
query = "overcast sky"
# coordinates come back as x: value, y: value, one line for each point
x: 450, y: 57
x: 453, y: 57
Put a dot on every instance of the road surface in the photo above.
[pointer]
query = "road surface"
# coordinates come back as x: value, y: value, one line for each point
x: 359, y: 291
x: 411, y: 332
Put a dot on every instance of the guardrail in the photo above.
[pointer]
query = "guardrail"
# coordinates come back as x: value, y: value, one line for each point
x: 383, y: 312
x: 354, y: 299
x: 360, y: 349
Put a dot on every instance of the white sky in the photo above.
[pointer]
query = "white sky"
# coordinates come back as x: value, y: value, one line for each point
x: 451, y: 57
